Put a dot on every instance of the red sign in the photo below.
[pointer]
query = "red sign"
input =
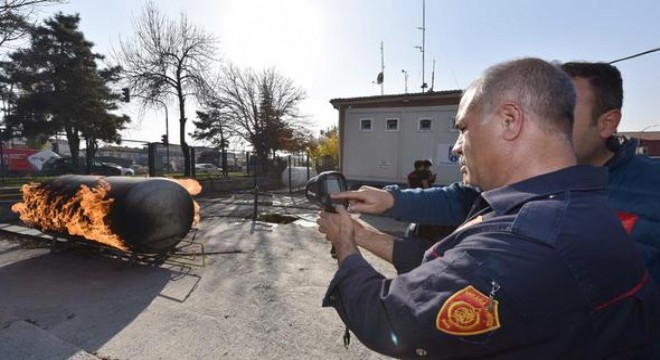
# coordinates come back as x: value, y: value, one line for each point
x: 16, y: 160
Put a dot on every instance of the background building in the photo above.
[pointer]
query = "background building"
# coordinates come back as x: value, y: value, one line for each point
x: 380, y: 137
x: 649, y: 142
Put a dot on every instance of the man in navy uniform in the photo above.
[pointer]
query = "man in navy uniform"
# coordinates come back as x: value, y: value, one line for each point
x: 542, y: 267
x: 632, y: 184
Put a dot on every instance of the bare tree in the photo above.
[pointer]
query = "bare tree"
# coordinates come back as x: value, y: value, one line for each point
x: 17, y: 16
x: 263, y: 108
x: 167, y: 60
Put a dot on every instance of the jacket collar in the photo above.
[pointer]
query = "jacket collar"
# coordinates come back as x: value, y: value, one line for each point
x: 627, y: 151
x: 575, y: 178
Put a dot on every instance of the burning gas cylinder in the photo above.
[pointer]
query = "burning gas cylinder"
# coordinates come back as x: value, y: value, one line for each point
x: 146, y: 215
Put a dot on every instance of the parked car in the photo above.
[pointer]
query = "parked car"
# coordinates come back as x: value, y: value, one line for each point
x: 206, y: 168
x: 61, y: 166
x: 139, y: 169
x: 100, y: 168
x: 124, y: 170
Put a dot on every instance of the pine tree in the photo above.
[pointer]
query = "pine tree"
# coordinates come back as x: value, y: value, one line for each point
x: 213, y: 126
x: 62, y: 89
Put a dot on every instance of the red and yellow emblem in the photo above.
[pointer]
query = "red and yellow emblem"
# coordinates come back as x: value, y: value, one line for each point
x: 467, y: 312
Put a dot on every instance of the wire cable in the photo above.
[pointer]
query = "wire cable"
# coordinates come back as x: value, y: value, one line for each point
x: 634, y: 56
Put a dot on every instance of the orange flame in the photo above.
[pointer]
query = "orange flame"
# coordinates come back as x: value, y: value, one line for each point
x: 84, y: 214
x: 191, y: 185
x: 194, y: 188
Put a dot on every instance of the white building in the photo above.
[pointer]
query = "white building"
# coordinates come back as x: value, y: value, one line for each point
x: 380, y: 137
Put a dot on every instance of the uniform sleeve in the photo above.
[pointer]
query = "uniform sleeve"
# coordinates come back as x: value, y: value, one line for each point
x: 447, y: 205
x: 441, y: 309
x: 408, y: 253
x: 398, y: 317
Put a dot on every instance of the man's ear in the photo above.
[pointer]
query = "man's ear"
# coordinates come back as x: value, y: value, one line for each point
x: 511, y: 119
x: 608, y: 123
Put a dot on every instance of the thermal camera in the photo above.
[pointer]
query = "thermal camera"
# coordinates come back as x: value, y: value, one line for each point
x: 319, y: 188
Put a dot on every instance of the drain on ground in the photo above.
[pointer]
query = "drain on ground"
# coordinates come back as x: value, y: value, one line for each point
x: 277, y: 218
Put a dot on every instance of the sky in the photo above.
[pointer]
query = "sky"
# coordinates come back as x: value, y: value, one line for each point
x: 331, y: 48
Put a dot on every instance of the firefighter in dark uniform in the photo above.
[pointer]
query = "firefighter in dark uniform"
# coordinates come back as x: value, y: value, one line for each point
x: 542, y: 268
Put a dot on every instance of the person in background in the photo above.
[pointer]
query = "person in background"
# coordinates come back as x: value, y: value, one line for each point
x: 634, y: 180
x: 418, y: 178
x: 527, y: 275
x: 430, y: 175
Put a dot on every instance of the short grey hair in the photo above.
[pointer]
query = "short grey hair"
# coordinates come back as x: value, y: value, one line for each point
x: 538, y: 86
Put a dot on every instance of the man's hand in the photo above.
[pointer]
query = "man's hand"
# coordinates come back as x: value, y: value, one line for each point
x: 369, y: 200
x: 339, y: 228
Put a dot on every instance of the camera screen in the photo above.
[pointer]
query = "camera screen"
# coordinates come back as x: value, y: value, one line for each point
x: 332, y: 186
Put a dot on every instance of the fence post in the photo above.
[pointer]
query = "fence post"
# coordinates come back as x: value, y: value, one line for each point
x: 290, y: 188
x: 152, y: 159
x: 256, y: 191
x: 307, y: 165
x: 193, y: 173
x: 254, y: 169
x: 247, y: 164
x: 167, y: 157
x: 2, y: 160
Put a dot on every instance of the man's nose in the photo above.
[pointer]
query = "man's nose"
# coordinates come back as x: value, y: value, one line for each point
x: 457, y: 149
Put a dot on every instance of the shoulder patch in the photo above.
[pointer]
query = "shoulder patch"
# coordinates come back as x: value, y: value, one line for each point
x: 467, y: 313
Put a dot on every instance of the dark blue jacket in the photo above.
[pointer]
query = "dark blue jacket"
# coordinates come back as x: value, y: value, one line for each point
x: 543, y: 271
x: 634, y: 192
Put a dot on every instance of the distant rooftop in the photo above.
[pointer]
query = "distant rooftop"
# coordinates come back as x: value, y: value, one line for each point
x: 646, y: 135
x: 431, y: 95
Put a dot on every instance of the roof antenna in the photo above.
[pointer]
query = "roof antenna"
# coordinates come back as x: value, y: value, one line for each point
x: 382, y: 69
x: 432, y: 77
x: 405, y: 77
x: 422, y: 48
x: 380, y: 79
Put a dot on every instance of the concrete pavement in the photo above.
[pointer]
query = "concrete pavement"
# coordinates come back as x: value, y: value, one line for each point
x: 258, y: 295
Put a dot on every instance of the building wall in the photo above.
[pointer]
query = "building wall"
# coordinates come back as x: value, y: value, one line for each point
x: 386, y: 156
x: 652, y: 147
x: 649, y: 142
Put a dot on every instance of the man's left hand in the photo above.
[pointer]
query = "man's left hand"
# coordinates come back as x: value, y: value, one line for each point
x: 339, y: 228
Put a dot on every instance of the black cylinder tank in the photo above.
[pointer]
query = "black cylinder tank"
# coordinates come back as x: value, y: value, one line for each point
x: 151, y: 215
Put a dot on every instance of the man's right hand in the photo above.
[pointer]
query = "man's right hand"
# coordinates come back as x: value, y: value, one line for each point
x: 367, y: 199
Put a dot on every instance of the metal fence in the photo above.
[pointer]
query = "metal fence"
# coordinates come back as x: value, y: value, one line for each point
x: 20, y: 162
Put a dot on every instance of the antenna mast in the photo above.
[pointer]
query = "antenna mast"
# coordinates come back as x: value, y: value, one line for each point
x: 382, y: 68
x: 423, y: 47
x: 433, y: 77
x: 405, y: 77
